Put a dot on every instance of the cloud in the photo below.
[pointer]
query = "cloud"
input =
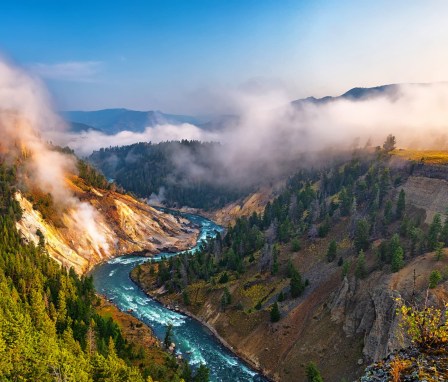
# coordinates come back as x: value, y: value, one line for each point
x: 76, y: 71
x: 272, y: 137
x: 86, y: 142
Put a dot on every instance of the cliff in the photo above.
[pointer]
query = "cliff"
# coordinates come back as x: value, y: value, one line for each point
x: 120, y: 225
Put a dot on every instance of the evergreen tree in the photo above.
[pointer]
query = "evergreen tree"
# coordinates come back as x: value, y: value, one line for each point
x: 202, y: 374
x: 388, y: 215
x: 295, y: 245
x: 397, y: 259
x: 332, y: 251
x: 434, y: 231
x: 389, y: 143
x: 296, y: 284
x: 434, y: 279
x: 401, y: 205
x: 168, y: 336
x: 361, y: 239
x: 439, y: 251
x: 275, y: 313
x: 444, y: 233
x: 312, y: 373
x: 360, y: 271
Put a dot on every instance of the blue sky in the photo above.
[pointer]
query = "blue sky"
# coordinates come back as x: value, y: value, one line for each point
x: 185, y: 56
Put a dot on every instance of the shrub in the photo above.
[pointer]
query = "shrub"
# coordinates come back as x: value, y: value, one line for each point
x: 434, y: 278
x: 427, y: 327
x: 312, y: 373
x: 295, y: 245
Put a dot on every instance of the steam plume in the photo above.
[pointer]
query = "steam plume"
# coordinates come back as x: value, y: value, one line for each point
x: 26, y: 116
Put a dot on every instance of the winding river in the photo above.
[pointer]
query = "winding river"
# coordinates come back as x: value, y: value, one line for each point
x: 193, y: 340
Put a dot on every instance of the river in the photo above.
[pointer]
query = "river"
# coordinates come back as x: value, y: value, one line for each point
x: 193, y: 340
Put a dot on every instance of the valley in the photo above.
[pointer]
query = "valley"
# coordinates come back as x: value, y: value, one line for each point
x: 342, y: 320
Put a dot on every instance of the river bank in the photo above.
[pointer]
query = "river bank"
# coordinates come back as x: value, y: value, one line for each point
x: 152, y: 294
x: 194, y: 341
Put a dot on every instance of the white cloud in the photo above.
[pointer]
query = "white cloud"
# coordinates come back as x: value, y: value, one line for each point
x: 77, y: 71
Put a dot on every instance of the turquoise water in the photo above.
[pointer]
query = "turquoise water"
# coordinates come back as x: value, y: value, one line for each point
x: 193, y: 340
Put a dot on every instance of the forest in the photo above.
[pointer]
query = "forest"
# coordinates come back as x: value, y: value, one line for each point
x: 50, y: 329
x: 159, y: 170
x: 364, y: 192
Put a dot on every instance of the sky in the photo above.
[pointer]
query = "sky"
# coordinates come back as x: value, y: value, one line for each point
x: 188, y: 56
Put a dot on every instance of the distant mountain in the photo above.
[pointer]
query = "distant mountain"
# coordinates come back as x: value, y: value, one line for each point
x: 112, y: 121
x: 355, y: 94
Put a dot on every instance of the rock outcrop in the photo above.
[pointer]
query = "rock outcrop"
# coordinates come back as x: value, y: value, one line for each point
x: 430, y: 194
x: 123, y: 224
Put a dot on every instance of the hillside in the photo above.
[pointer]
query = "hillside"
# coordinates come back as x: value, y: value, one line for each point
x: 175, y: 174
x: 336, y: 310
x: 127, y: 225
x: 53, y: 326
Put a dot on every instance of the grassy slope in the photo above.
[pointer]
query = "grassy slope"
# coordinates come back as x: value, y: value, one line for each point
x: 426, y: 156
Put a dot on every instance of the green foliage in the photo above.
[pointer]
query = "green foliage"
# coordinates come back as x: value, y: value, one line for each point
x: 332, y: 251
x: 434, y: 231
x: 388, y: 215
x: 426, y: 326
x: 224, y: 278
x: 186, y: 298
x: 275, y: 313
x: 295, y: 245
x: 146, y: 169
x: 360, y: 270
x: 296, y: 284
x: 49, y: 328
x: 312, y: 373
x: 226, y: 298
x: 168, y: 339
x: 275, y: 254
x: 202, y: 374
x: 401, y: 205
x: 397, y: 259
x: 444, y: 234
x: 434, y: 278
x: 439, y: 250
x: 361, y: 239
x: 346, y: 199
x: 92, y: 176
x: 345, y: 268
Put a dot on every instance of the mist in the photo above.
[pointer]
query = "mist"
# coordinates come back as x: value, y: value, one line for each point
x: 26, y: 117
x: 272, y: 136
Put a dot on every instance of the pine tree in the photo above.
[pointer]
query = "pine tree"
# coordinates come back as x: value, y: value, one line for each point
x: 361, y: 239
x: 296, y: 284
x: 434, y: 231
x: 275, y: 313
x: 397, y: 260
x: 434, y: 278
x: 312, y: 373
x: 332, y: 251
x: 360, y: 271
x: 168, y: 336
x: 401, y: 205
x: 388, y: 212
x: 202, y: 374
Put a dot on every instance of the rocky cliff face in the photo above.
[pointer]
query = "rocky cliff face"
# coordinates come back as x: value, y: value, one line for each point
x: 430, y: 194
x: 368, y: 307
x: 124, y: 225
